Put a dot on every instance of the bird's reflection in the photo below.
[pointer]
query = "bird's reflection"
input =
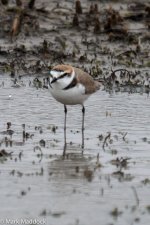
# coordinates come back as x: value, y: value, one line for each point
x: 73, y: 163
x: 69, y: 148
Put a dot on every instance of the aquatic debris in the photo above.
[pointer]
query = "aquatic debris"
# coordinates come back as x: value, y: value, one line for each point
x: 116, y: 212
x: 12, y: 172
x: 22, y: 193
x: 106, y: 139
x: 4, y: 153
x: 21, y: 174
x: 100, y: 137
x: 17, y: 173
x: 144, y: 139
x: 57, y: 214
x: 37, y: 148
x: 7, y: 132
x: 7, y: 142
x: 50, y: 213
x: 44, y: 212
x: 88, y: 174
x: 20, y: 155
x: 118, y: 173
x: 108, y: 113
x: 146, y: 181
x: 124, y: 136
x: 26, y: 135
x: 37, y: 83
x: 114, y: 152
x: 148, y: 208
x: 77, y: 168
x: 98, y: 163
x: 39, y: 128
x: 8, y: 125
x: 42, y: 143
x: 120, y: 162
x: 136, y: 195
x: 16, y: 84
x: 40, y: 173
x: 39, y: 155
x: 121, y: 176
x: 53, y: 128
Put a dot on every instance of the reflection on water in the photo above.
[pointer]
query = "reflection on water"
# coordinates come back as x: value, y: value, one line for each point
x: 81, y: 186
x: 74, y: 164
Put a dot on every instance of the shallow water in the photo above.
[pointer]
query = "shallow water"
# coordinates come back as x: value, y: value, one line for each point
x: 80, y: 188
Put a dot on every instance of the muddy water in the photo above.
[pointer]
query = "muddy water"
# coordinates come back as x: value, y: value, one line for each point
x: 37, y: 182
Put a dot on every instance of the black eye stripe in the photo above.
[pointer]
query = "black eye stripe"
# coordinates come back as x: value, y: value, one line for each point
x: 63, y: 75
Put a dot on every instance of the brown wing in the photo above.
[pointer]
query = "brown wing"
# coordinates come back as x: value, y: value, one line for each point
x: 84, y: 78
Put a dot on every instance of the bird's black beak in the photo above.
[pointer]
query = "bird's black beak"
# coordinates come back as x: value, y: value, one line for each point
x: 54, y: 80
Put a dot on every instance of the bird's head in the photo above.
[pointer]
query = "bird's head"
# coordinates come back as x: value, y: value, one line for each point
x: 61, y: 75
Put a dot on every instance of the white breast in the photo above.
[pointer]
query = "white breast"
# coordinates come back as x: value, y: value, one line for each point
x: 72, y: 96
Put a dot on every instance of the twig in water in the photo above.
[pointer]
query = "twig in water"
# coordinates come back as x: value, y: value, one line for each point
x: 124, y: 136
x: 105, y: 140
x: 136, y: 196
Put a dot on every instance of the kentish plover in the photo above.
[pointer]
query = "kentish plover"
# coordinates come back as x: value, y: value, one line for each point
x: 71, y: 86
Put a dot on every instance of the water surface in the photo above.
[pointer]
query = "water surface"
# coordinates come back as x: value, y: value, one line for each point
x: 78, y: 188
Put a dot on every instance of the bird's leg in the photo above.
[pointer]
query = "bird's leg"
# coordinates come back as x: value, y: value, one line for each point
x: 65, y: 110
x: 83, y: 114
